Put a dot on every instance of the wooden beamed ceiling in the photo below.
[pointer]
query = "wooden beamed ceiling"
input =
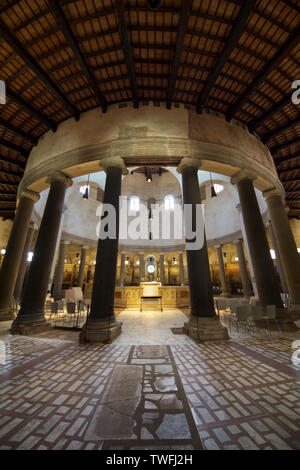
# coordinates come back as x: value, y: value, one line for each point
x: 60, y: 58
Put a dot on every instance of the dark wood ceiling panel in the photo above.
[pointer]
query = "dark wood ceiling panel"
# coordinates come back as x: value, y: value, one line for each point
x: 58, y: 63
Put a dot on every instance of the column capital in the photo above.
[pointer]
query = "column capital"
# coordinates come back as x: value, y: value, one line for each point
x: 161, y: 254
x: 33, y: 226
x: 268, y: 193
x: 59, y: 176
x: 65, y: 242
x: 239, y: 240
x: 84, y: 247
x: 186, y: 162
x: 30, y: 195
x: 113, y: 161
x: 244, y: 174
x: 180, y: 252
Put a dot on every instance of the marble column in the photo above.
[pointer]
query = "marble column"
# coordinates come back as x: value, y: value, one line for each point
x: 278, y: 259
x: 24, y: 263
x: 142, y: 268
x: 82, y: 266
x: 181, y: 268
x: 31, y: 315
x: 14, y: 250
x: 246, y: 283
x: 59, y: 272
x: 251, y: 271
x: 286, y: 244
x: 162, y: 268
x: 267, y: 288
x: 122, y: 268
x: 101, y: 325
x: 224, y: 284
x: 203, y: 323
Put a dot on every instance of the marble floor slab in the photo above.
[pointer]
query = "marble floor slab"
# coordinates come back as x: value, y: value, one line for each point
x: 150, y: 389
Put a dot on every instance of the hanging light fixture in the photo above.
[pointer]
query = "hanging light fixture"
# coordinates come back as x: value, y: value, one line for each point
x: 212, y: 188
x: 86, y: 192
x: 148, y: 175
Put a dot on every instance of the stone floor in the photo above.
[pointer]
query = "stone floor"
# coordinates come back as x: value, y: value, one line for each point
x: 150, y: 389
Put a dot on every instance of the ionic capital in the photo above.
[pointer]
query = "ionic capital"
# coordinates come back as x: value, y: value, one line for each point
x: 268, y: 193
x: 244, y: 174
x: 60, y: 176
x: 188, y: 162
x: 113, y: 161
x: 30, y: 195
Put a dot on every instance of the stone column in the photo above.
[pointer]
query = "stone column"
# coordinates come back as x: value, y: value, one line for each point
x: 246, y: 283
x: 244, y: 235
x: 122, y: 268
x: 24, y: 263
x: 31, y: 315
x: 267, y: 288
x: 181, y: 268
x: 59, y: 273
x: 278, y: 259
x: 203, y: 323
x: 224, y: 284
x: 14, y: 250
x: 82, y: 266
x: 142, y: 268
x: 286, y: 244
x: 162, y: 269
x: 101, y: 325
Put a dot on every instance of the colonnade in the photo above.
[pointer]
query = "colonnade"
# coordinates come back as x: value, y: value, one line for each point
x: 101, y: 324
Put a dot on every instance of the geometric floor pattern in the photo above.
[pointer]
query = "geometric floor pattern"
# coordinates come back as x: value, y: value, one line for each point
x: 58, y: 394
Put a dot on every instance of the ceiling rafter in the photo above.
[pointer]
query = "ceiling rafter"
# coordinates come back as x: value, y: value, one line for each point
x: 13, y: 162
x: 120, y: 12
x: 10, y: 173
x: 14, y: 147
x: 288, y: 159
x: 288, y: 170
x: 60, y: 18
x: 236, y: 32
x: 24, y: 135
x: 281, y: 54
x: 8, y: 183
x: 17, y: 47
x: 279, y: 130
x: 183, y: 23
x: 268, y: 114
x: 277, y: 148
x: 31, y: 110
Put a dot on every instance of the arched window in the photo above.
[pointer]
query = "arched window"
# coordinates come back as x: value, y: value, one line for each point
x: 169, y: 203
x: 218, y: 188
x: 134, y: 203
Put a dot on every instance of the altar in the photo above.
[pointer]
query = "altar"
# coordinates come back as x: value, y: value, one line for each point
x: 151, y: 295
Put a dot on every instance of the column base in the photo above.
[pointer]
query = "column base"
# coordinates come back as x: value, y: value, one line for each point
x: 205, y: 329
x: 100, y: 331
x: 285, y: 320
x: 28, y: 326
x: 7, y: 314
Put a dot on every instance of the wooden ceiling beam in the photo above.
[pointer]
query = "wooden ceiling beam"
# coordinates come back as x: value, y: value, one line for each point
x: 24, y: 135
x: 39, y: 72
x: 15, y: 148
x: 281, y: 54
x: 10, y: 173
x: 183, y: 23
x: 291, y: 181
x: 5, y: 183
x: 64, y: 26
x: 258, y: 121
x: 285, y: 127
x: 12, y: 161
x: 289, y: 170
x: 288, y: 159
x: 277, y: 148
x: 120, y: 12
x: 230, y: 44
x: 31, y: 110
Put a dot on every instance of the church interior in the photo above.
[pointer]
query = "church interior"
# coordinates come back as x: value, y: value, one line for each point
x: 149, y: 225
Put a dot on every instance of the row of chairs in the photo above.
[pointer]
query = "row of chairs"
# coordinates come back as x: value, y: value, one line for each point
x: 67, y: 314
x: 245, y: 318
